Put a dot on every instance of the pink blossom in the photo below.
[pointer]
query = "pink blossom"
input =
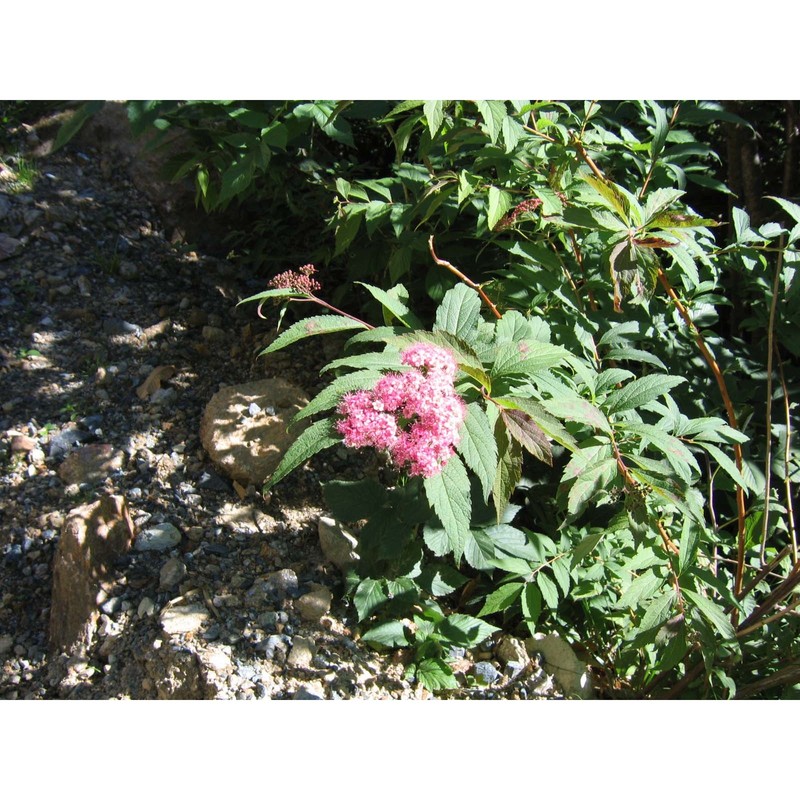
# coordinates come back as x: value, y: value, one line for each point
x: 416, y: 415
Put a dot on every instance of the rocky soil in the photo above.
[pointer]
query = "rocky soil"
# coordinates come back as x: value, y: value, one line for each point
x: 114, y: 341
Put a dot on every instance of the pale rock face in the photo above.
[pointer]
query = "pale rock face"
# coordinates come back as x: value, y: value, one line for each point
x: 245, y: 446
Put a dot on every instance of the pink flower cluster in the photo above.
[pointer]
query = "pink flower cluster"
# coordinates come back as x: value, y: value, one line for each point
x: 415, y: 415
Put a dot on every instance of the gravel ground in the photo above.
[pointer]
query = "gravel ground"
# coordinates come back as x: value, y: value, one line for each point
x: 94, y: 297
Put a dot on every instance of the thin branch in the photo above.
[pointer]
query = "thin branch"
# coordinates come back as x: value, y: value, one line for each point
x: 462, y: 277
x: 773, y: 308
x: 726, y: 399
x: 787, y: 454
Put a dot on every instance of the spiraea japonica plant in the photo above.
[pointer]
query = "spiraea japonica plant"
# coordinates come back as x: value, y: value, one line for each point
x: 595, y: 459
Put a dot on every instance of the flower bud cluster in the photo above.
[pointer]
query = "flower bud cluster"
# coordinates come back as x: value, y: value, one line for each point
x: 415, y: 415
x: 300, y: 281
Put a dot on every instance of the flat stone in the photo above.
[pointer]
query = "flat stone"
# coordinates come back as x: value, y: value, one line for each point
x: 566, y: 668
x: 92, y: 463
x: 94, y: 536
x: 160, y: 537
x: 302, y: 653
x: 247, y: 448
x: 314, y: 605
x: 337, y: 543
x: 183, y: 619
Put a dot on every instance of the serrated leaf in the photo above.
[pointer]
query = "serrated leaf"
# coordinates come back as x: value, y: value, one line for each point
x: 389, y: 634
x: 546, y: 421
x: 388, y: 359
x: 435, y: 675
x: 579, y: 410
x: 478, y: 447
x: 498, y: 205
x: 522, y: 428
x: 584, y: 547
x: 548, y: 590
x: 449, y: 495
x: 661, y: 130
x: 561, y: 574
x: 641, y: 391
x: 466, y: 631
x: 728, y: 466
x: 713, y: 613
x: 493, y: 113
x: 434, y: 115
x: 439, y: 579
x: 369, y: 595
x: 509, y: 468
x: 334, y: 391
x: 592, y: 480
x: 394, y: 305
x: 459, y: 312
x: 501, y: 598
x: 792, y: 209
x: 320, y: 435
x: 313, y: 326
x: 479, y: 549
x: 531, y: 601
x: 641, y: 588
x: 657, y: 613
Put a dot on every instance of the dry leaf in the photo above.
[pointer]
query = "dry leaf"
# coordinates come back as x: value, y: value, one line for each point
x: 153, y: 382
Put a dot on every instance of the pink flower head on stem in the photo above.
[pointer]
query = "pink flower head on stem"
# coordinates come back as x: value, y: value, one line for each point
x: 414, y: 415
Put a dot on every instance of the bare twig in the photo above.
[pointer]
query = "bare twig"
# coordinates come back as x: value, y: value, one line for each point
x: 773, y: 307
x: 787, y: 451
x: 462, y: 277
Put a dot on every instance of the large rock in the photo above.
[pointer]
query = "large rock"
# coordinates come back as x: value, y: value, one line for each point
x: 244, y: 427
x: 94, y: 536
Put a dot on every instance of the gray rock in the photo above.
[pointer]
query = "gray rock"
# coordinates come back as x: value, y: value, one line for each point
x: 6, y: 643
x: 215, y: 335
x: 485, y: 673
x: 118, y: 327
x: 246, y: 448
x: 146, y: 608
x: 172, y: 573
x: 337, y: 543
x: 511, y: 649
x: 160, y: 537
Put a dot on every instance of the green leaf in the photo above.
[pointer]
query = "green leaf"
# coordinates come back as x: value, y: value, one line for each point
x: 478, y: 447
x: 71, y: 127
x: 312, y: 326
x: 435, y: 675
x: 561, y: 574
x: 502, y: 598
x: 584, y: 547
x: 388, y: 359
x: 512, y: 133
x: 466, y: 631
x: 792, y: 209
x: 369, y: 595
x: 347, y: 227
x: 394, y: 305
x: 728, y: 466
x: 657, y: 612
x: 548, y: 589
x: 434, y: 115
x: 499, y: 203
x: 589, y: 482
x: 577, y: 409
x: 641, y: 391
x: 661, y: 130
x: 531, y: 601
x: 713, y: 613
x: 320, y: 435
x: 459, y: 312
x: 389, y: 634
x: 493, y: 113
x: 439, y: 579
x: 449, y: 495
x: 642, y: 588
